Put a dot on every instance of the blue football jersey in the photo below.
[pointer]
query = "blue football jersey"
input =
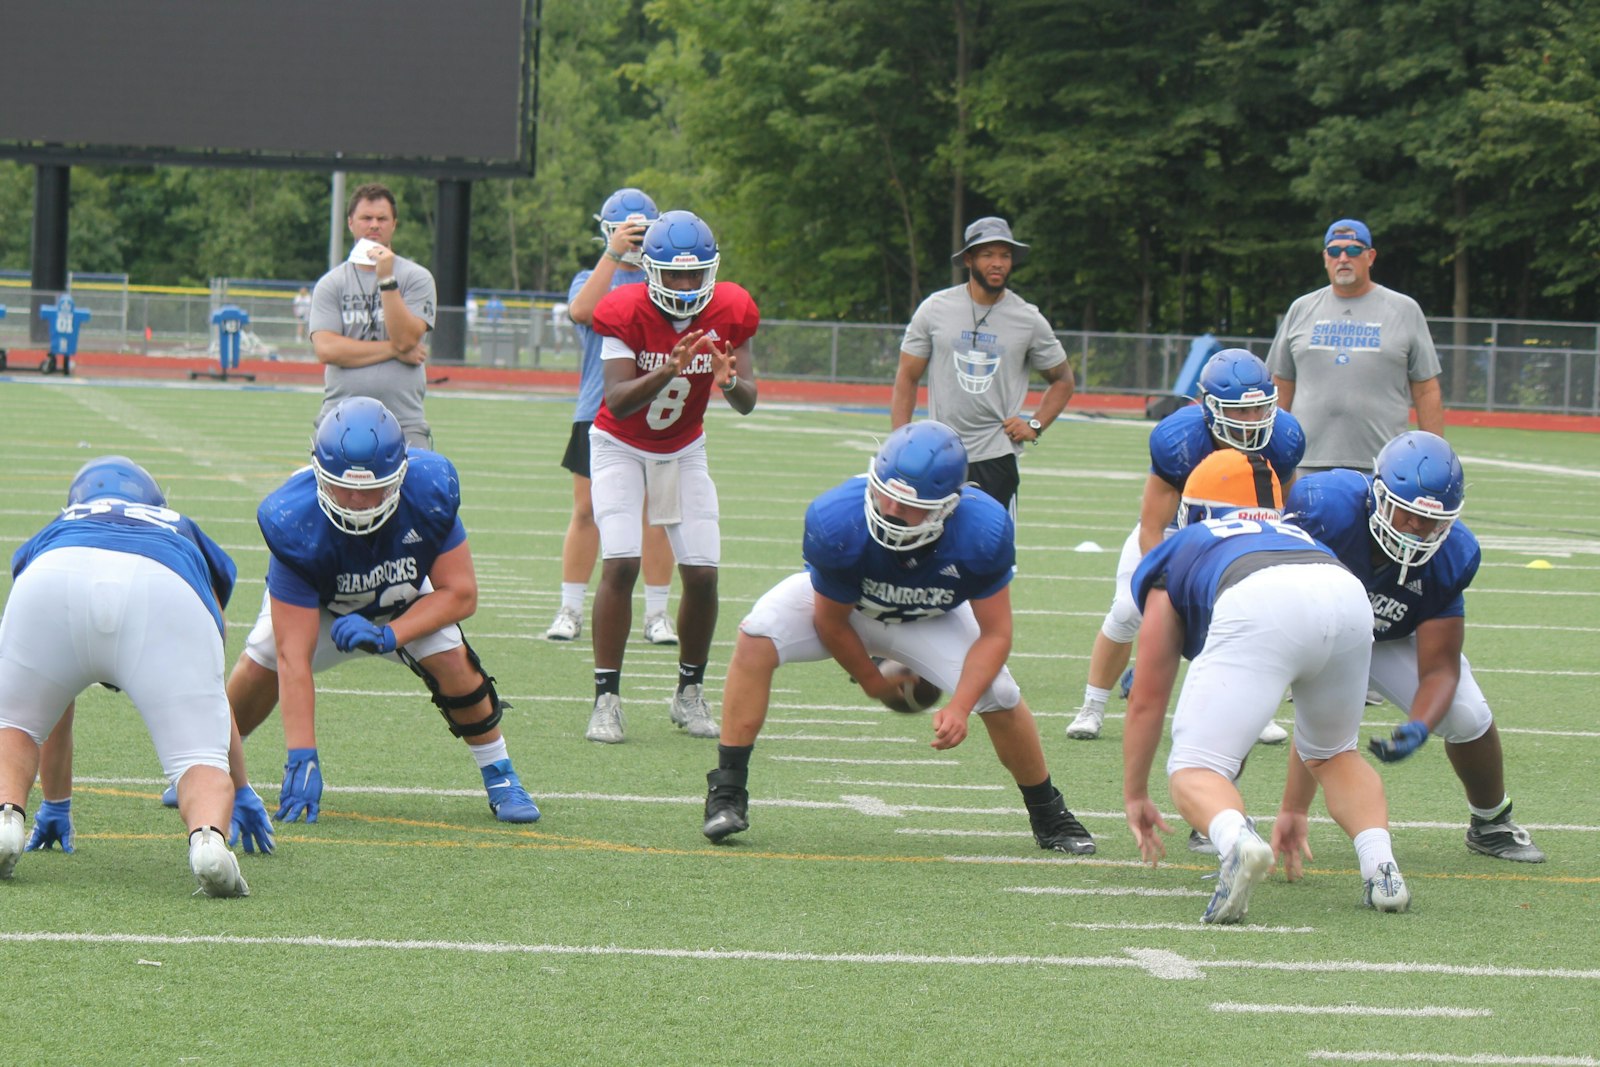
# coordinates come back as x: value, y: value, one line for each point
x: 161, y: 534
x: 378, y: 575
x: 974, y: 558
x: 1190, y: 565
x: 1332, y: 506
x: 591, y: 378
x: 1181, y: 440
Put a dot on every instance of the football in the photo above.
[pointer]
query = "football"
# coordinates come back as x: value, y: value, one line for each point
x: 916, y: 692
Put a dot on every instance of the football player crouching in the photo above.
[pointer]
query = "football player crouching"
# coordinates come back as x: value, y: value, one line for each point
x: 907, y: 564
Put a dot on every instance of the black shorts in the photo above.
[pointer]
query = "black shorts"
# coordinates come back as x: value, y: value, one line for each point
x: 999, y: 477
x: 576, y: 458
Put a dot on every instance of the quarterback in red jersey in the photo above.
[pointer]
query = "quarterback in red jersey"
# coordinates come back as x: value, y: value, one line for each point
x: 665, y: 345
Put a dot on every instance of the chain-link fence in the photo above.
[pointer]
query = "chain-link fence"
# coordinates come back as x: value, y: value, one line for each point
x: 1489, y: 364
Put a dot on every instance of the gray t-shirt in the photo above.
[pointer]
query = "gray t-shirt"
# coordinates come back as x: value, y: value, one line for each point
x: 1352, y: 361
x: 979, y: 361
x: 346, y: 301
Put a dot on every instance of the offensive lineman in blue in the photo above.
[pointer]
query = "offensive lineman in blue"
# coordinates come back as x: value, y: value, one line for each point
x: 122, y: 590
x: 1256, y: 605
x: 368, y: 555
x: 910, y: 564
x: 1397, y: 531
x: 1237, y: 410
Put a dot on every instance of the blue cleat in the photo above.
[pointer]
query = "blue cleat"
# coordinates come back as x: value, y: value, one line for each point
x: 169, y: 799
x: 507, y: 799
x: 1242, y: 869
x: 1126, y: 683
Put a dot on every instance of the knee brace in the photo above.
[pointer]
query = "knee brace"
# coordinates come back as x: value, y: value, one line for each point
x: 448, y: 704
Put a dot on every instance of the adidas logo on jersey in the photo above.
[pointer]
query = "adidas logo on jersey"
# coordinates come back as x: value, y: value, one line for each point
x: 1414, y: 586
x: 950, y: 570
x: 411, y: 538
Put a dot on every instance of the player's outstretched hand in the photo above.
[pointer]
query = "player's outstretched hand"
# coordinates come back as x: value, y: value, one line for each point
x: 250, y: 822
x: 302, y: 786
x: 52, y: 823
x: 351, y: 632
x: 1291, y: 842
x: 1144, y: 819
x: 1406, y: 739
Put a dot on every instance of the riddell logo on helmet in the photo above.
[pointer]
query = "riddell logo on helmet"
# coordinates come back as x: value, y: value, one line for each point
x: 1426, y: 503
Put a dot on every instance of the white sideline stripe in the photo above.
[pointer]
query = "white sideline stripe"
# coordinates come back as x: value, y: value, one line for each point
x: 872, y: 806
x: 1108, y: 891
x: 1536, y: 468
x: 907, y: 785
x: 1351, y: 1009
x: 1237, y: 928
x: 823, y: 722
x: 869, y: 762
x: 846, y: 740
x: 1288, y: 720
x: 1445, y: 1057
x: 919, y: 809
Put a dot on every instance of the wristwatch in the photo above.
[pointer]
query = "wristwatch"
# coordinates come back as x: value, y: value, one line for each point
x: 388, y: 285
x: 1037, y: 427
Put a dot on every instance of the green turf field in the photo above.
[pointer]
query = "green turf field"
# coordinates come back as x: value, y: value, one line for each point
x: 887, y: 905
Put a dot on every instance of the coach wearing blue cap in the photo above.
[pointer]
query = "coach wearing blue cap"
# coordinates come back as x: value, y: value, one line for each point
x: 1353, y: 358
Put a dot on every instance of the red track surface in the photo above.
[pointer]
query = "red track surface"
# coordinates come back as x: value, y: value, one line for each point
x: 131, y: 365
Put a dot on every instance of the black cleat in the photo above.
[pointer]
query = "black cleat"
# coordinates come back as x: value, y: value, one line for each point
x: 727, y: 805
x: 1503, y: 839
x: 1058, y: 830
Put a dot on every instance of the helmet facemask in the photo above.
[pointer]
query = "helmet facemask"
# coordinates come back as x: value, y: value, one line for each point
x: 682, y: 303
x: 354, y: 520
x: 633, y: 259
x: 893, y: 532
x: 1245, y: 422
x: 1408, y: 549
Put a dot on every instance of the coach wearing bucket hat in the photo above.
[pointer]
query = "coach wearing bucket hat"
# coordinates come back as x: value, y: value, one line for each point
x: 1353, y: 358
x: 977, y: 343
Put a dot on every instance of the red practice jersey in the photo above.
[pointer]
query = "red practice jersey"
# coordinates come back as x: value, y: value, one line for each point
x: 675, y: 419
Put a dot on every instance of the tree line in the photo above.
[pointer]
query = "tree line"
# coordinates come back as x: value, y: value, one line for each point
x: 1173, y: 163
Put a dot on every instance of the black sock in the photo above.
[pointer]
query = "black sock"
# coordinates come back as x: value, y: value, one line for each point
x: 689, y: 674
x: 1037, y: 796
x: 607, y: 681
x: 734, y: 757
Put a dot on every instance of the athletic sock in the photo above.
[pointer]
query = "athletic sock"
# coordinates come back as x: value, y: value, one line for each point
x: 1373, y: 848
x: 607, y: 681
x: 1037, y: 796
x: 691, y: 674
x: 734, y: 757
x: 655, y: 599
x: 1225, y: 829
x: 573, y: 594
x: 1095, y: 697
x: 1491, y: 814
x: 493, y: 752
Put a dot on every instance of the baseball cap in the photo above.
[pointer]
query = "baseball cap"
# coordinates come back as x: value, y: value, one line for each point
x: 1354, y: 227
x: 986, y: 231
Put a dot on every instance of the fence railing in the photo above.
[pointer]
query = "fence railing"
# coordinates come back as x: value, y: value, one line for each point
x: 1489, y: 364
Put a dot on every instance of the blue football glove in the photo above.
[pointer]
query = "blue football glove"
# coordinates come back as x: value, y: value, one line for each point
x: 302, y: 786
x: 250, y: 822
x: 351, y: 632
x: 52, y: 823
x: 1406, y: 739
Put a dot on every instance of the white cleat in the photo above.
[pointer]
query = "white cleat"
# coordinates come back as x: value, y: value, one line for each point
x: 215, y: 867
x: 690, y: 712
x: 658, y: 629
x: 1272, y: 734
x: 12, y: 839
x: 1248, y: 863
x: 1386, y: 890
x: 567, y: 627
x: 1085, y: 726
x: 605, y: 722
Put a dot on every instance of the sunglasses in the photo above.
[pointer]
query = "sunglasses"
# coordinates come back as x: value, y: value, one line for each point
x: 1335, y: 251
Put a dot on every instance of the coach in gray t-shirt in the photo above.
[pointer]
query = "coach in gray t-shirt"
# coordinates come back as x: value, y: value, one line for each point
x: 368, y: 323
x: 977, y: 343
x: 1351, y: 359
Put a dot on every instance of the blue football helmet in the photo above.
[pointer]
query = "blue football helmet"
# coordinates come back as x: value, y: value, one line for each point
x: 115, y: 478
x: 1239, y: 399
x: 1416, y: 473
x: 680, y: 243
x: 360, y: 446
x: 622, y: 207
x: 922, y: 465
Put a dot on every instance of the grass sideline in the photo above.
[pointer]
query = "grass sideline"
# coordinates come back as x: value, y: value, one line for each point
x: 887, y: 904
